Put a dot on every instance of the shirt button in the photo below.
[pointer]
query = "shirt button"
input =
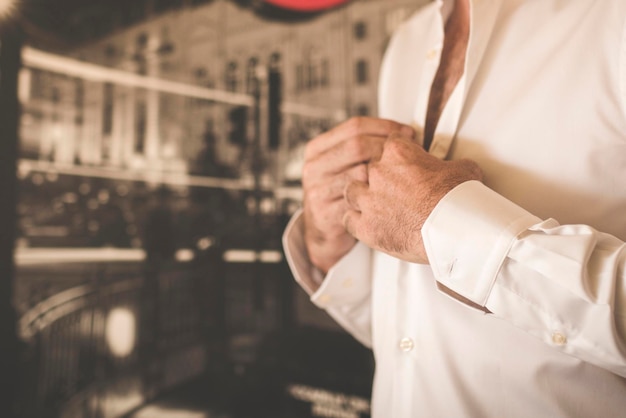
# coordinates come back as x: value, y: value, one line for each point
x: 324, y: 299
x: 559, y: 339
x: 347, y: 283
x: 406, y: 344
x: 432, y: 54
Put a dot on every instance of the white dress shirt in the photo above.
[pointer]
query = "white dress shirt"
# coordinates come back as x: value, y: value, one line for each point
x: 542, y: 109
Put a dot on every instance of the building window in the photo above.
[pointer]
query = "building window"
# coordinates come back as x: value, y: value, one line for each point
x: 110, y: 52
x: 312, y: 77
x: 36, y: 84
x: 55, y: 96
x: 251, y: 78
x: 362, y: 75
x: 231, y: 76
x: 312, y: 74
x: 141, y: 43
x: 107, y: 109
x: 360, y: 30
x: 141, y: 115
x: 299, y: 77
x: 200, y: 73
x: 325, y: 76
x: 79, y: 100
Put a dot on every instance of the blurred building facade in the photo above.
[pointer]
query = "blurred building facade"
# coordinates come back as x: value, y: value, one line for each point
x: 328, y: 66
x: 86, y: 148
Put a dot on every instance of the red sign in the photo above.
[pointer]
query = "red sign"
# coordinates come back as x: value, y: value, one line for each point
x: 306, y: 5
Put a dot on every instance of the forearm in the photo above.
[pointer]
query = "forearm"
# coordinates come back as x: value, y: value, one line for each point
x: 562, y: 284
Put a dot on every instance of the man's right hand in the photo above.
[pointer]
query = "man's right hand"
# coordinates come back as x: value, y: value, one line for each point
x: 332, y: 160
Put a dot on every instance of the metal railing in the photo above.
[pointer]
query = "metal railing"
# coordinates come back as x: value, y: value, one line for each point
x: 104, y: 347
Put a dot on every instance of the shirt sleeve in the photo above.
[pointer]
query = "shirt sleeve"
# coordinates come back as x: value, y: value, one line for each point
x: 345, y: 292
x: 563, y: 284
x: 622, y: 67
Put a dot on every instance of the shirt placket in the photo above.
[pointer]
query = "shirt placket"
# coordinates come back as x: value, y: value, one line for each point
x: 480, y: 33
x: 429, y: 70
x: 449, y: 119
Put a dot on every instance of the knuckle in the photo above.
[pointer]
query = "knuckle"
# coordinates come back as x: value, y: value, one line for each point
x: 355, y: 124
x: 347, y: 189
x: 360, y: 173
x: 471, y: 168
x: 373, y: 169
x: 316, y: 194
x: 311, y: 194
x: 355, y: 146
x: 393, y: 147
x: 336, y: 231
x: 347, y: 223
x: 307, y: 173
x: 309, y: 149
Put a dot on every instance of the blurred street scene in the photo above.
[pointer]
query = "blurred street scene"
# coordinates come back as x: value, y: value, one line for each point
x: 158, y: 160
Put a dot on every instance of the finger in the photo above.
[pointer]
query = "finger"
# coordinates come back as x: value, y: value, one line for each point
x: 351, y: 220
x: 327, y: 223
x: 343, y: 157
x: 401, y: 146
x: 356, y: 173
x: 353, y: 127
x: 354, y: 193
x: 354, y: 151
x: 404, y: 139
x: 335, y: 188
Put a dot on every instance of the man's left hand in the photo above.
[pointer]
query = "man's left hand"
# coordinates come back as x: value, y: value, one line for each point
x: 403, y: 188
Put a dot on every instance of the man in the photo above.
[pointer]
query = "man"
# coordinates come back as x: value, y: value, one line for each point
x: 487, y: 274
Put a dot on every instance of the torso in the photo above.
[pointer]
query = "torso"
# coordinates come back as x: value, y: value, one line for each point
x: 547, y: 139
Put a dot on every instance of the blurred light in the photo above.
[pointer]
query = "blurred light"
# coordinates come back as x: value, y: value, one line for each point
x: 120, y: 331
x: 103, y: 196
x: 84, y: 188
x: 270, y: 256
x: 184, y: 254
x: 205, y: 243
x: 250, y: 256
x: 7, y: 8
x: 70, y: 197
x: 122, y: 190
x: 168, y: 150
x: 52, y: 176
x: 37, y: 179
x: 268, y: 205
x: 24, y: 93
x: 93, y: 226
x: 156, y: 411
x: 251, y: 205
x: 240, y: 256
x: 58, y: 207
x: 92, y: 204
x: 129, y: 216
x: 23, y: 169
x: 292, y: 207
